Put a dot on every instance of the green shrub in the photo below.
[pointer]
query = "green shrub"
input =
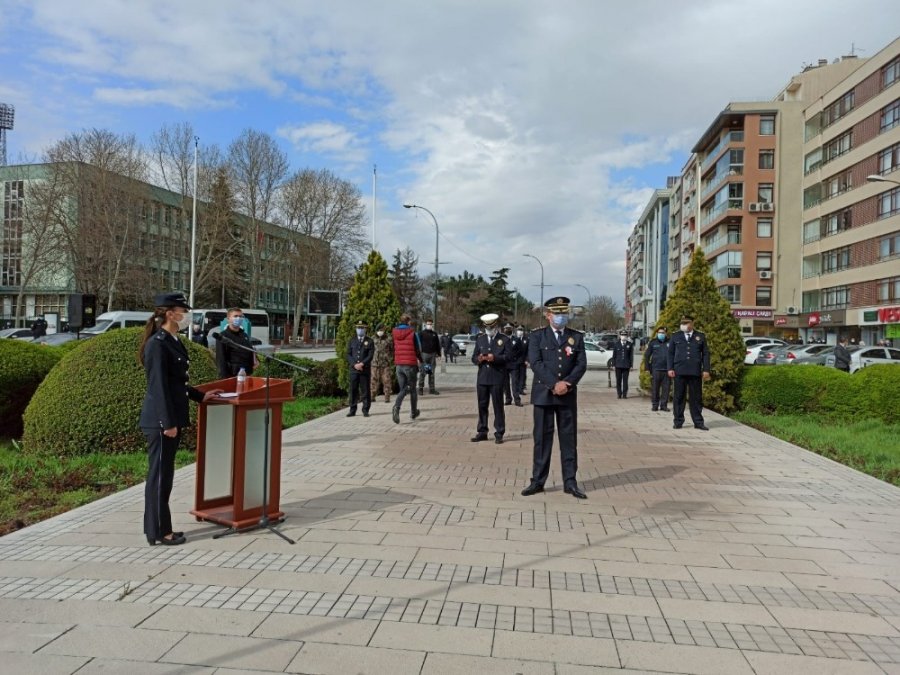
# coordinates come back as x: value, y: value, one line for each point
x: 91, y: 401
x: 876, y: 389
x: 23, y: 366
x: 321, y: 380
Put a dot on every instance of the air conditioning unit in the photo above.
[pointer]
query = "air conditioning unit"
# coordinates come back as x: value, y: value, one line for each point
x: 766, y: 206
x: 792, y: 310
x: 754, y: 207
x: 765, y: 274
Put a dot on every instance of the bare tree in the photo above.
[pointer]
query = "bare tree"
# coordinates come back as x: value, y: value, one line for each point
x: 258, y: 167
x: 102, y: 173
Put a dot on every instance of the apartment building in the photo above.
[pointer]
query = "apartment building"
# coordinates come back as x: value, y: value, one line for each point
x: 850, y: 246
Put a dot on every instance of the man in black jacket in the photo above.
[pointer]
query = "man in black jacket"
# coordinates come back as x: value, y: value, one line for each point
x: 360, y: 351
x: 490, y: 354
x: 230, y: 358
x: 623, y: 360
x: 656, y: 364
x: 430, y: 345
x: 688, y: 361
x: 842, y: 355
x: 511, y: 387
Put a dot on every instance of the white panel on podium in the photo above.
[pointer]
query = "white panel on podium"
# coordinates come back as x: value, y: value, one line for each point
x: 217, y: 476
x: 253, y: 466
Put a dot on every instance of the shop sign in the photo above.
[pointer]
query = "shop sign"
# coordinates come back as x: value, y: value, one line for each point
x: 751, y: 313
x: 870, y: 315
x: 814, y: 319
x: 889, y: 314
x: 781, y: 321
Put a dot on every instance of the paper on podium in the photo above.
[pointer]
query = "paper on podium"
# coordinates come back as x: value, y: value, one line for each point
x: 228, y: 394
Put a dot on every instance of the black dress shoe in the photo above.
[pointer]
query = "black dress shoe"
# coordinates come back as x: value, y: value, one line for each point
x: 365, y: 414
x: 701, y: 427
x: 519, y: 403
x: 574, y: 491
x: 395, y: 415
x: 676, y: 426
x: 498, y: 440
x: 532, y: 489
x: 664, y: 410
x: 654, y: 409
x: 352, y: 413
x: 434, y: 392
x: 507, y: 402
x: 414, y: 414
x: 478, y: 437
x: 167, y: 541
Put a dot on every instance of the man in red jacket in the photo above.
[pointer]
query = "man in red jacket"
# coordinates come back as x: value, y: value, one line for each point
x: 406, y: 358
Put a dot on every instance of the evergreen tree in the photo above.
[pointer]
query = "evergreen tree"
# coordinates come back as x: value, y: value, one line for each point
x: 371, y: 299
x: 499, y: 298
x: 696, y: 295
x: 404, y: 278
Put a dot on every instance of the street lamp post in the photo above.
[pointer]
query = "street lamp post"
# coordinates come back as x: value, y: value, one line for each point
x: 437, y: 236
x: 881, y: 179
x: 194, y: 228
x: 528, y: 255
x: 588, y: 291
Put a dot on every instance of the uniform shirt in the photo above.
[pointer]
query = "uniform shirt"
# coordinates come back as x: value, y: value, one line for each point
x: 553, y: 361
x: 656, y: 355
x: 494, y: 372
x: 517, y: 352
x: 166, y: 366
x: 688, y: 355
x: 360, y: 350
x: 623, y: 354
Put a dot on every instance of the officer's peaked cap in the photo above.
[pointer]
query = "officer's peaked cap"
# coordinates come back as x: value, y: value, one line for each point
x: 171, y: 300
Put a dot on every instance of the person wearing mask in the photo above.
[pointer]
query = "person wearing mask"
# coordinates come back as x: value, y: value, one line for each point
x: 360, y: 351
x: 623, y: 360
x: 164, y: 412
x: 516, y: 358
x: 197, y: 335
x: 557, y: 357
x: 688, y: 363
x: 490, y: 354
x: 445, y: 345
x: 430, y: 345
x: 230, y: 358
x: 382, y: 364
x: 842, y: 355
x: 523, y: 366
x: 406, y: 359
x: 656, y: 364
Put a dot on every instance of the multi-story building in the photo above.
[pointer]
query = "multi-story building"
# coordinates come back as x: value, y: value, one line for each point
x: 156, y: 250
x: 850, y: 242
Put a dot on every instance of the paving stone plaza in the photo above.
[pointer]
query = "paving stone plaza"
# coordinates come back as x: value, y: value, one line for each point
x: 724, y: 552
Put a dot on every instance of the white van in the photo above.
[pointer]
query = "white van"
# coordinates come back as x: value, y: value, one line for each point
x: 256, y: 324
x: 111, y: 320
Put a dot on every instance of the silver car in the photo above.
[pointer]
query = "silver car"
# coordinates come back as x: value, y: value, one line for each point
x: 869, y: 356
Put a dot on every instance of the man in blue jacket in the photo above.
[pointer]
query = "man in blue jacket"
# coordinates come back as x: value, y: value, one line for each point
x: 688, y: 361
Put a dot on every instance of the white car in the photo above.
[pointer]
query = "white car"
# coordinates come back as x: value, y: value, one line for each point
x: 753, y: 341
x: 462, y: 341
x: 754, y: 351
x: 16, y: 333
x: 869, y: 356
x: 597, y: 356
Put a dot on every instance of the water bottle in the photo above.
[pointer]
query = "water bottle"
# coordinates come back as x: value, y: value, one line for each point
x: 241, y: 380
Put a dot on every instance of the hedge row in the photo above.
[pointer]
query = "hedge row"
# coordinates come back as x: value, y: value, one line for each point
x: 320, y: 378
x: 870, y: 393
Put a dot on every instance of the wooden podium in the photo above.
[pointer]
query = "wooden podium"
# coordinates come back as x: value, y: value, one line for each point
x: 230, y: 452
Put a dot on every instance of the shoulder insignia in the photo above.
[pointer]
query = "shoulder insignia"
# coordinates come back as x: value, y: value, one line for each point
x: 571, y: 341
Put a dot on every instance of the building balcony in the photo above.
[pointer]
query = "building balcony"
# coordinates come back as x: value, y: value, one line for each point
x: 713, y: 216
x: 735, y: 171
x: 725, y: 141
x: 721, y: 241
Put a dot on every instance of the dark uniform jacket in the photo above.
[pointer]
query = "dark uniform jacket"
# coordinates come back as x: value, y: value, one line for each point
x: 656, y: 356
x: 623, y: 354
x: 230, y: 359
x: 841, y: 357
x: 688, y: 357
x: 166, y: 401
x: 517, y: 352
x: 429, y: 342
x: 552, y: 362
x: 491, y: 373
x: 361, y: 351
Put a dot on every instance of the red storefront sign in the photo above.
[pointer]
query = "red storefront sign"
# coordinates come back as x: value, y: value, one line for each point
x: 889, y: 315
x: 814, y: 319
x: 781, y: 321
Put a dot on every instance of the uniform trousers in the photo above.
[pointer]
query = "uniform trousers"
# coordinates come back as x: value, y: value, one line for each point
x: 622, y: 380
x: 360, y: 388
x: 659, y: 389
x: 523, y: 376
x: 693, y: 386
x: 566, y: 420
x: 406, y: 379
x: 511, y: 387
x: 160, y: 475
x: 491, y: 394
x: 381, y: 379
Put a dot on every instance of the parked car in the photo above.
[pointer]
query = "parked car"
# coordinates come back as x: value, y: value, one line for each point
x: 755, y: 340
x: 753, y: 351
x: 462, y: 341
x: 597, y: 356
x: 113, y: 320
x: 16, y: 334
x: 58, y: 338
x: 793, y: 354
x: 607, y: 340
x: 868, y: 356
x: 769, y: 355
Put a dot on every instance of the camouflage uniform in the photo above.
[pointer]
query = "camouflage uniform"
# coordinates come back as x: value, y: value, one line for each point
x: 382, y: 366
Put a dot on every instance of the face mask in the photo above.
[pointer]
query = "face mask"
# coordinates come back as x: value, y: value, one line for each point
x: 508, y: 332
x: 428, y: 326
x: 360, y: 332
x: 520, y: 333
x: 560, y: 320
x: 379, y: 333
x: 491, y: 332
x: 184, y: 322
x: 660, y: 336
x: 237, y: 321
x: 684, y: 328
x: 622, y: 339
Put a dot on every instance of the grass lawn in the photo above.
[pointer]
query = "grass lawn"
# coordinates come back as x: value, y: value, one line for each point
x: 869, y: 446
x: 35, y: 488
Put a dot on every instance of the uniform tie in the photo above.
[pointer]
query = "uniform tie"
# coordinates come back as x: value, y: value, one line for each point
x: 559, y: 337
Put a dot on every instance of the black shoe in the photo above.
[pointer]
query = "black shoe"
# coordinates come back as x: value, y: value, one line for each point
x: 395, y: 415
x: 519, y: 403
x: 618, y: 395
x: 498, y: 440
x: 175, y: 540
x: 507, y: 402
x: 365, y: 414
x: 664, y: 410
x: 654, y: 409
x: 624, y: 395
x: 532, y: 489
x: 352, y: 413
x: 701, y: 427
x: 676, y: 426
x: 478, y: 438
x: 414, y: 414
x: 574, y: 491
x: 421, y: 391
x: 435, y: 392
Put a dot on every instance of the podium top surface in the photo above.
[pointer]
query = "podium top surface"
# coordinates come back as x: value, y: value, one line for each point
x: 254, y: 391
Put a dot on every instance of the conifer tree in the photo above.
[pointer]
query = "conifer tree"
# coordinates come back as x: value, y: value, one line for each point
x: 696, y: 295
x: 371, y: 299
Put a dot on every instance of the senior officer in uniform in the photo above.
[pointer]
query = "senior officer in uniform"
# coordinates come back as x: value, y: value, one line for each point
x: 490, y: 354
x: 557, y: 358
x: 688, y: 361
x: 360, y: 351
x: 511, y: 388
x: 164, y: 413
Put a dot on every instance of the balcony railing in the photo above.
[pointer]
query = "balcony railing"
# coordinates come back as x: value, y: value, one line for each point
x: 734, y: 170
x: 722, y: 240
x: 719, y: 211
x: 730, y: 137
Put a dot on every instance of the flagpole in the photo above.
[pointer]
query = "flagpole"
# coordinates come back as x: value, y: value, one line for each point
x: 374, y: 201
x: 194, y: 227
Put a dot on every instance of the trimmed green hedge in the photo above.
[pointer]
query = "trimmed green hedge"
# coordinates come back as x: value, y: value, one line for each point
x: 870, y: 393
x: 91, y: 401
x: 321, y: 380
x: 23, y: 366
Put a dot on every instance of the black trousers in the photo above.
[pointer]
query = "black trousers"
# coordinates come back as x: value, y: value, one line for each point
x: 659, y: 389
x: 693, y: 386
x: 493, y: 394
x: 523, y: 376
x: 512, y: 390
x: 360, y: 383
x: 160, y: 475
x: 622, y: 380
x: 566, y: 420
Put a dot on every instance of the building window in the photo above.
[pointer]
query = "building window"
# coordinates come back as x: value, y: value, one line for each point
x: 889, y: 159
x: 766, y: 193
x: 890, y: 116
x: 837, y: 297
x: 838, y: 184
x: 890, y: 73
x: 763, y: 296
x: 838, y: 109
x: 767, y: 125
x: 836, y: 260
x: 764, y: 261
x: 889, y: 246
x: 731, y: 293
x: 889, y: 289
x: 766, y: 159
x: 836, y: 222
x: 764, y: 228
x: 889, y: 203
x: 837, y: 147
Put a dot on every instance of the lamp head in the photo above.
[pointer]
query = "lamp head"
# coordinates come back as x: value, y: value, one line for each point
x: 408, y: 206
x: 877, y: 179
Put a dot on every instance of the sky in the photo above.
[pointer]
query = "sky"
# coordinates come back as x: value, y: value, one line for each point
x: 524, y: 126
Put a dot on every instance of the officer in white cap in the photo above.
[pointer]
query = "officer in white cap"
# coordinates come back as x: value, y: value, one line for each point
x: 490, y: 354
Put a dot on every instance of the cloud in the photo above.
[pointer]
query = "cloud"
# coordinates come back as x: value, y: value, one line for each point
x: 177, y: 98
x: 325, y: 138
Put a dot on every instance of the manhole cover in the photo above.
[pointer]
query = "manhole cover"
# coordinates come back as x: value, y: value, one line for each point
x: 437, y: 514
